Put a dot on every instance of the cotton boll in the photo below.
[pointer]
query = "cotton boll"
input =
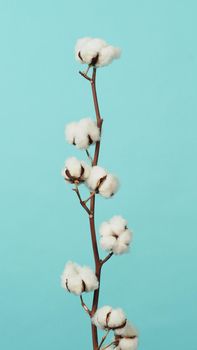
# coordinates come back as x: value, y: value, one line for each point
x: 107, y: 54
x: 90, y: 51
x: 97, y: 174
x: 128, y: 331
x: 125, y: 237
x: 78, y: 279
x: 70, y: 279
x: 70, y: 269
x: 86, y: 168
x: 81, y: 139
x: 120, y: 248
x: 128, y: 343
x: 89, y: 278
x: 116, y: 319
x: 109, y: 186
x: 71, y: 132
x: 79, y: 44
x: 122, y: 243
x: 106, y: 317
x: 127, y: 337
x: 87, y: 133
x: 100, y: 317
x: 76, y: 171
x: 74, y: 285
x: 91, y: 128
x: 115, y: 236
x: 74, y: 166
x: 105, y: 229
x: 95, y: 52
x: 107, y: 242
x: 118, y: 224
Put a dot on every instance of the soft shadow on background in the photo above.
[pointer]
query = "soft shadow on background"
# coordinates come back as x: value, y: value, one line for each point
x: 148, y: 100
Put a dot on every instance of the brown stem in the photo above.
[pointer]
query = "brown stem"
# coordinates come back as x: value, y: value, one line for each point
x: 106, y: 258
x: 84, y: 305
x: 103, y: 339
x: 85, y: 75
x: 98, y: 263
x: 91, y: 195
x: 89, y: 156
x: 83, y: 204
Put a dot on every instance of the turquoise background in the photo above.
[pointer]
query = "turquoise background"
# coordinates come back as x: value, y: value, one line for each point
x: 148, y: 101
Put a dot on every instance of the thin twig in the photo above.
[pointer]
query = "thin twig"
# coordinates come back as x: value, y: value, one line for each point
x: 103, y: 339
x: 91, y: 195
x: 83, y: 204
x: 89, y: 156
x: 106, y: 258
x: 85, y: 306
x: 85, y: 76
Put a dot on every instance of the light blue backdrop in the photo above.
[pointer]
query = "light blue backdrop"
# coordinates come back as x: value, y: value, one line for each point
x: 148, y: 100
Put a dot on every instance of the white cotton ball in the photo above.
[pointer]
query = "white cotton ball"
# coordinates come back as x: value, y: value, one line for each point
x: 105, y: 229
x: 79, y: 44
x: 71, y: 132
x: 115, y: 236
x: 118, y: 224
x: 91, y: 128
x: 78, y: 279
x: 89, y: 278
x: 70, y: 269
x: 96, y: 175
x: 70, y: 279
x: 74, y: 285
x: 109, y: 186
x: 81, y: 139
x: 87, y: 169
x: 76, y: 170
x: 96, y: 52
x: 100, y: 317
x: 116, y: 319
x: 91, y: 50
x: 107, y: 54
x: 125, y: 237
x: 122, y: 242
x: 106, y: 317
x: 87, y: 133
x: 107, y: 242
x: 128, y: 331
x: 74, y: 166
x: 128, y: 343
x: 120, y: 248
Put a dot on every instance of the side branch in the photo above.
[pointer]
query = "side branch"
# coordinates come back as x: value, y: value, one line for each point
x: 106, y: 258
x: 85, y: 306
x: 103, y: 339
x: 83, y: 204
x: 85, y: 76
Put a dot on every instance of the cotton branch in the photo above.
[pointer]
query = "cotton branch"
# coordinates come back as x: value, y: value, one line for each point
x: 103, y: 339
x: 106, y: 258
x: 89, y: 156
x: 85, y: 306
x: 114, y: 234
x: 85, y: 75
x: 83, y: 204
